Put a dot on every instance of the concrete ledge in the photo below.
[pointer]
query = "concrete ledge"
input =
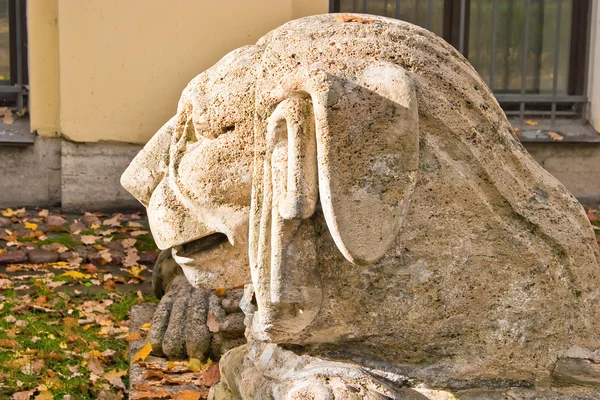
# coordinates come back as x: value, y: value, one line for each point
x: 85, y: 176
x: 91, y: 173
x: 30, y: 176
x: 577, y: 166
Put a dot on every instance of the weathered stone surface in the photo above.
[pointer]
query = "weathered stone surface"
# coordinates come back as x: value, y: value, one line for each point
x: 41, y: 256
x: 576, y: 372
x: 13, y: 257
x: 358, y: 172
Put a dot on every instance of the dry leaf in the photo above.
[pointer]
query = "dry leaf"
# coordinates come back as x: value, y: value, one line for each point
x: 9, y: 212
x: 212, y: 323
x: 89, y: 239
x: 6, y: 283
x: 188, y: 395
x: 517, y: 132
x: 7, y: 343
x: 555, y: 136
x: 354, y: 18
x: 531, y: 122
x: 95, y: 365
x: 131, y: 258
x: 220, y: 291
x: 8, y: 117
x: 139, y: 233
x: 128, y: 243
x: 76, y: 275
x: 26, y: 395
x: 133, y: 336
x: 149, y: 395
x: 31, y: 225
x: 43, y: 213
x: 44, y: 395
x: 143, y: 353
x: 145, y: 327
x: 114, y: 378
x: 114, y: 221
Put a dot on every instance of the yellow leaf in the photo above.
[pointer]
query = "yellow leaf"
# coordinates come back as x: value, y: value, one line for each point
x: 135, y: 271
x: 45, y: 395
x: 143, y: 353
x: 195, y: 365
x: 31, y: 225
x: 9, y: 212
x: 76, y: 275
x: 95, y: 353
x: 59, y: 264
x: 63, y: 345
x: 145, y: 327
x: 531, y: 122
x: 220, y: 291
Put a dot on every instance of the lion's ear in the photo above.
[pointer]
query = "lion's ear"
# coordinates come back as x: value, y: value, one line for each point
x: 368, y: 155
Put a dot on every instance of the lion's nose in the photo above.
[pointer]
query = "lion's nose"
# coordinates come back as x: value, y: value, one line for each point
x: 150, y: 165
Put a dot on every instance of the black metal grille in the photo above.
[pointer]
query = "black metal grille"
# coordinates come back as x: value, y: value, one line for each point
x: 532, y: 53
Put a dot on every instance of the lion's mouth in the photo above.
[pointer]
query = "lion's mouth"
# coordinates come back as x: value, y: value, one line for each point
x: 202, y: 245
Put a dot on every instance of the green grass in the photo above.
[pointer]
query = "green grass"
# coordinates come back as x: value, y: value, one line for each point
x: 47, y: 336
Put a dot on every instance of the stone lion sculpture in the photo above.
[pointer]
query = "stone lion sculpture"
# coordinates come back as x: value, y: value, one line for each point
x: 394, y: 237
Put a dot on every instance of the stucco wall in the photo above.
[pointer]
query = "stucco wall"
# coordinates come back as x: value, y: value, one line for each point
x: 304, y: 8
x: 42, y: 27
x: 123, y: 64
x: 594, y: 72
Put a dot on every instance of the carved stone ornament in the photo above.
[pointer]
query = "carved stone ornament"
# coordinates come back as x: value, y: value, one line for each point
x: 394, y: 237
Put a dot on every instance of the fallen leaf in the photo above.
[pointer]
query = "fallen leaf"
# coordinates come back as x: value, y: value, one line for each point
x: 143, y: 353
x: 44, y: 395
x: 26, y: 395
x: 188, y: 395
x: 89, y: 239
x: 128, y: 243
x: 139, y: 233
x: 212, y: 323
x: 133, y: 336
x: 8, y: 343
x: 6, y: 283
x: 31, y: 225
x: 43, y: 213
x: 145, y: 327
x: 531, y: 122
x: 114, y: 221
x: 354, y: 18
x: 220, y: 291
x: 149, y: 395
x: 76, y: 275
x: 211, y: 375
x: 114, y: 378
x: 517, y: 132
x: 9, y: 212
x: 8, y: 117
x: 95, y: 365
x: 555, y: 136
x: 131, y: 258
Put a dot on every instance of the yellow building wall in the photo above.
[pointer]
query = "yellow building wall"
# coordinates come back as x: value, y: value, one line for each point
x: 42, y: 29
x: 304, y: 8
x: 113, y: 70
x: 123, y: 64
